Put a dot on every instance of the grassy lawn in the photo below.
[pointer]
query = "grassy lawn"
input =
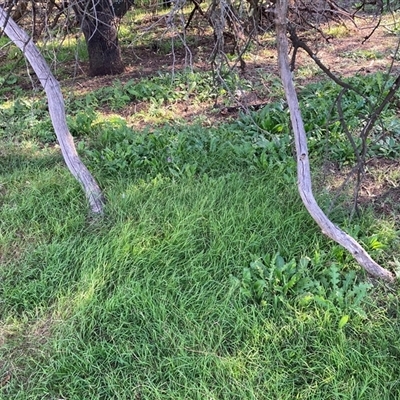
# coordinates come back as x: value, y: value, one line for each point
x: 176, y: 293
x: 206, y: 278
x: 147, y: 302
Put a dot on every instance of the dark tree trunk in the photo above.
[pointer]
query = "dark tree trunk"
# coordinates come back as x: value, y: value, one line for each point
x: 102, y: 44
x: 98, y: 21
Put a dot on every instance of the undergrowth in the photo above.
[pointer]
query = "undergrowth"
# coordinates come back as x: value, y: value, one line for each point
x: 266, y: 130
x: 206, y: 278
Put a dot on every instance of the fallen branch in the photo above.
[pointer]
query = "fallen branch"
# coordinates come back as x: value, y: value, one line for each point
x: 56, y: 109
x: 303, y: 163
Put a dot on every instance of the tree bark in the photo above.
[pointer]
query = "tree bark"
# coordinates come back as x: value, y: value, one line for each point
x: 303, y: 164
x: 56, y: 109
x: 98, y: 22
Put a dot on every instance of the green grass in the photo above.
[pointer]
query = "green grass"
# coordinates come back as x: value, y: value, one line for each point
x: 147, y: 302
x: 363, y: 54
x: 206, y: 278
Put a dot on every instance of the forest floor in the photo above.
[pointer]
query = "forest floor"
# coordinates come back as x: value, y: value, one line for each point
x: 150, y: 47
x: 360, y: 47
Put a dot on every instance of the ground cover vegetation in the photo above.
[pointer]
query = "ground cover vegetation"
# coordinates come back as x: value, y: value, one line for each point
x: 206, y: 278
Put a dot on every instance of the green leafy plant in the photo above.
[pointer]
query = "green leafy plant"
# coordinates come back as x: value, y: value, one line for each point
x: 363, y: 54
x: 272, y: 281
x: 272, y: 278
x: 81, y: 124
x: 336, y: 290
x: 10, y: 79
x: 178, y: 151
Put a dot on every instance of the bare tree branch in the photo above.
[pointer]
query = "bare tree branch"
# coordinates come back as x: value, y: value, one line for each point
x: 56, y: 110
x: 303, y: 164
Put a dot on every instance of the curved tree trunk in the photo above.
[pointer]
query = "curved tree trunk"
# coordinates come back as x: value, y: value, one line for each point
x: 56, y: 110
x: 303, y: 164
x: 98, y: 20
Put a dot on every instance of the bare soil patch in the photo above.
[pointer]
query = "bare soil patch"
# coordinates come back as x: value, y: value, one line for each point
x: 381, y: 187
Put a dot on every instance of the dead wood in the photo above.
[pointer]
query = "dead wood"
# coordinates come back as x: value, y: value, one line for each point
x: 56, y: 109
x: 303, y: 163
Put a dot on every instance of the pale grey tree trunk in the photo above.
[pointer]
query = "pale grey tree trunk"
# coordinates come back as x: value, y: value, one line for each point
x: 303, y: 164
x: 56, y: 109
